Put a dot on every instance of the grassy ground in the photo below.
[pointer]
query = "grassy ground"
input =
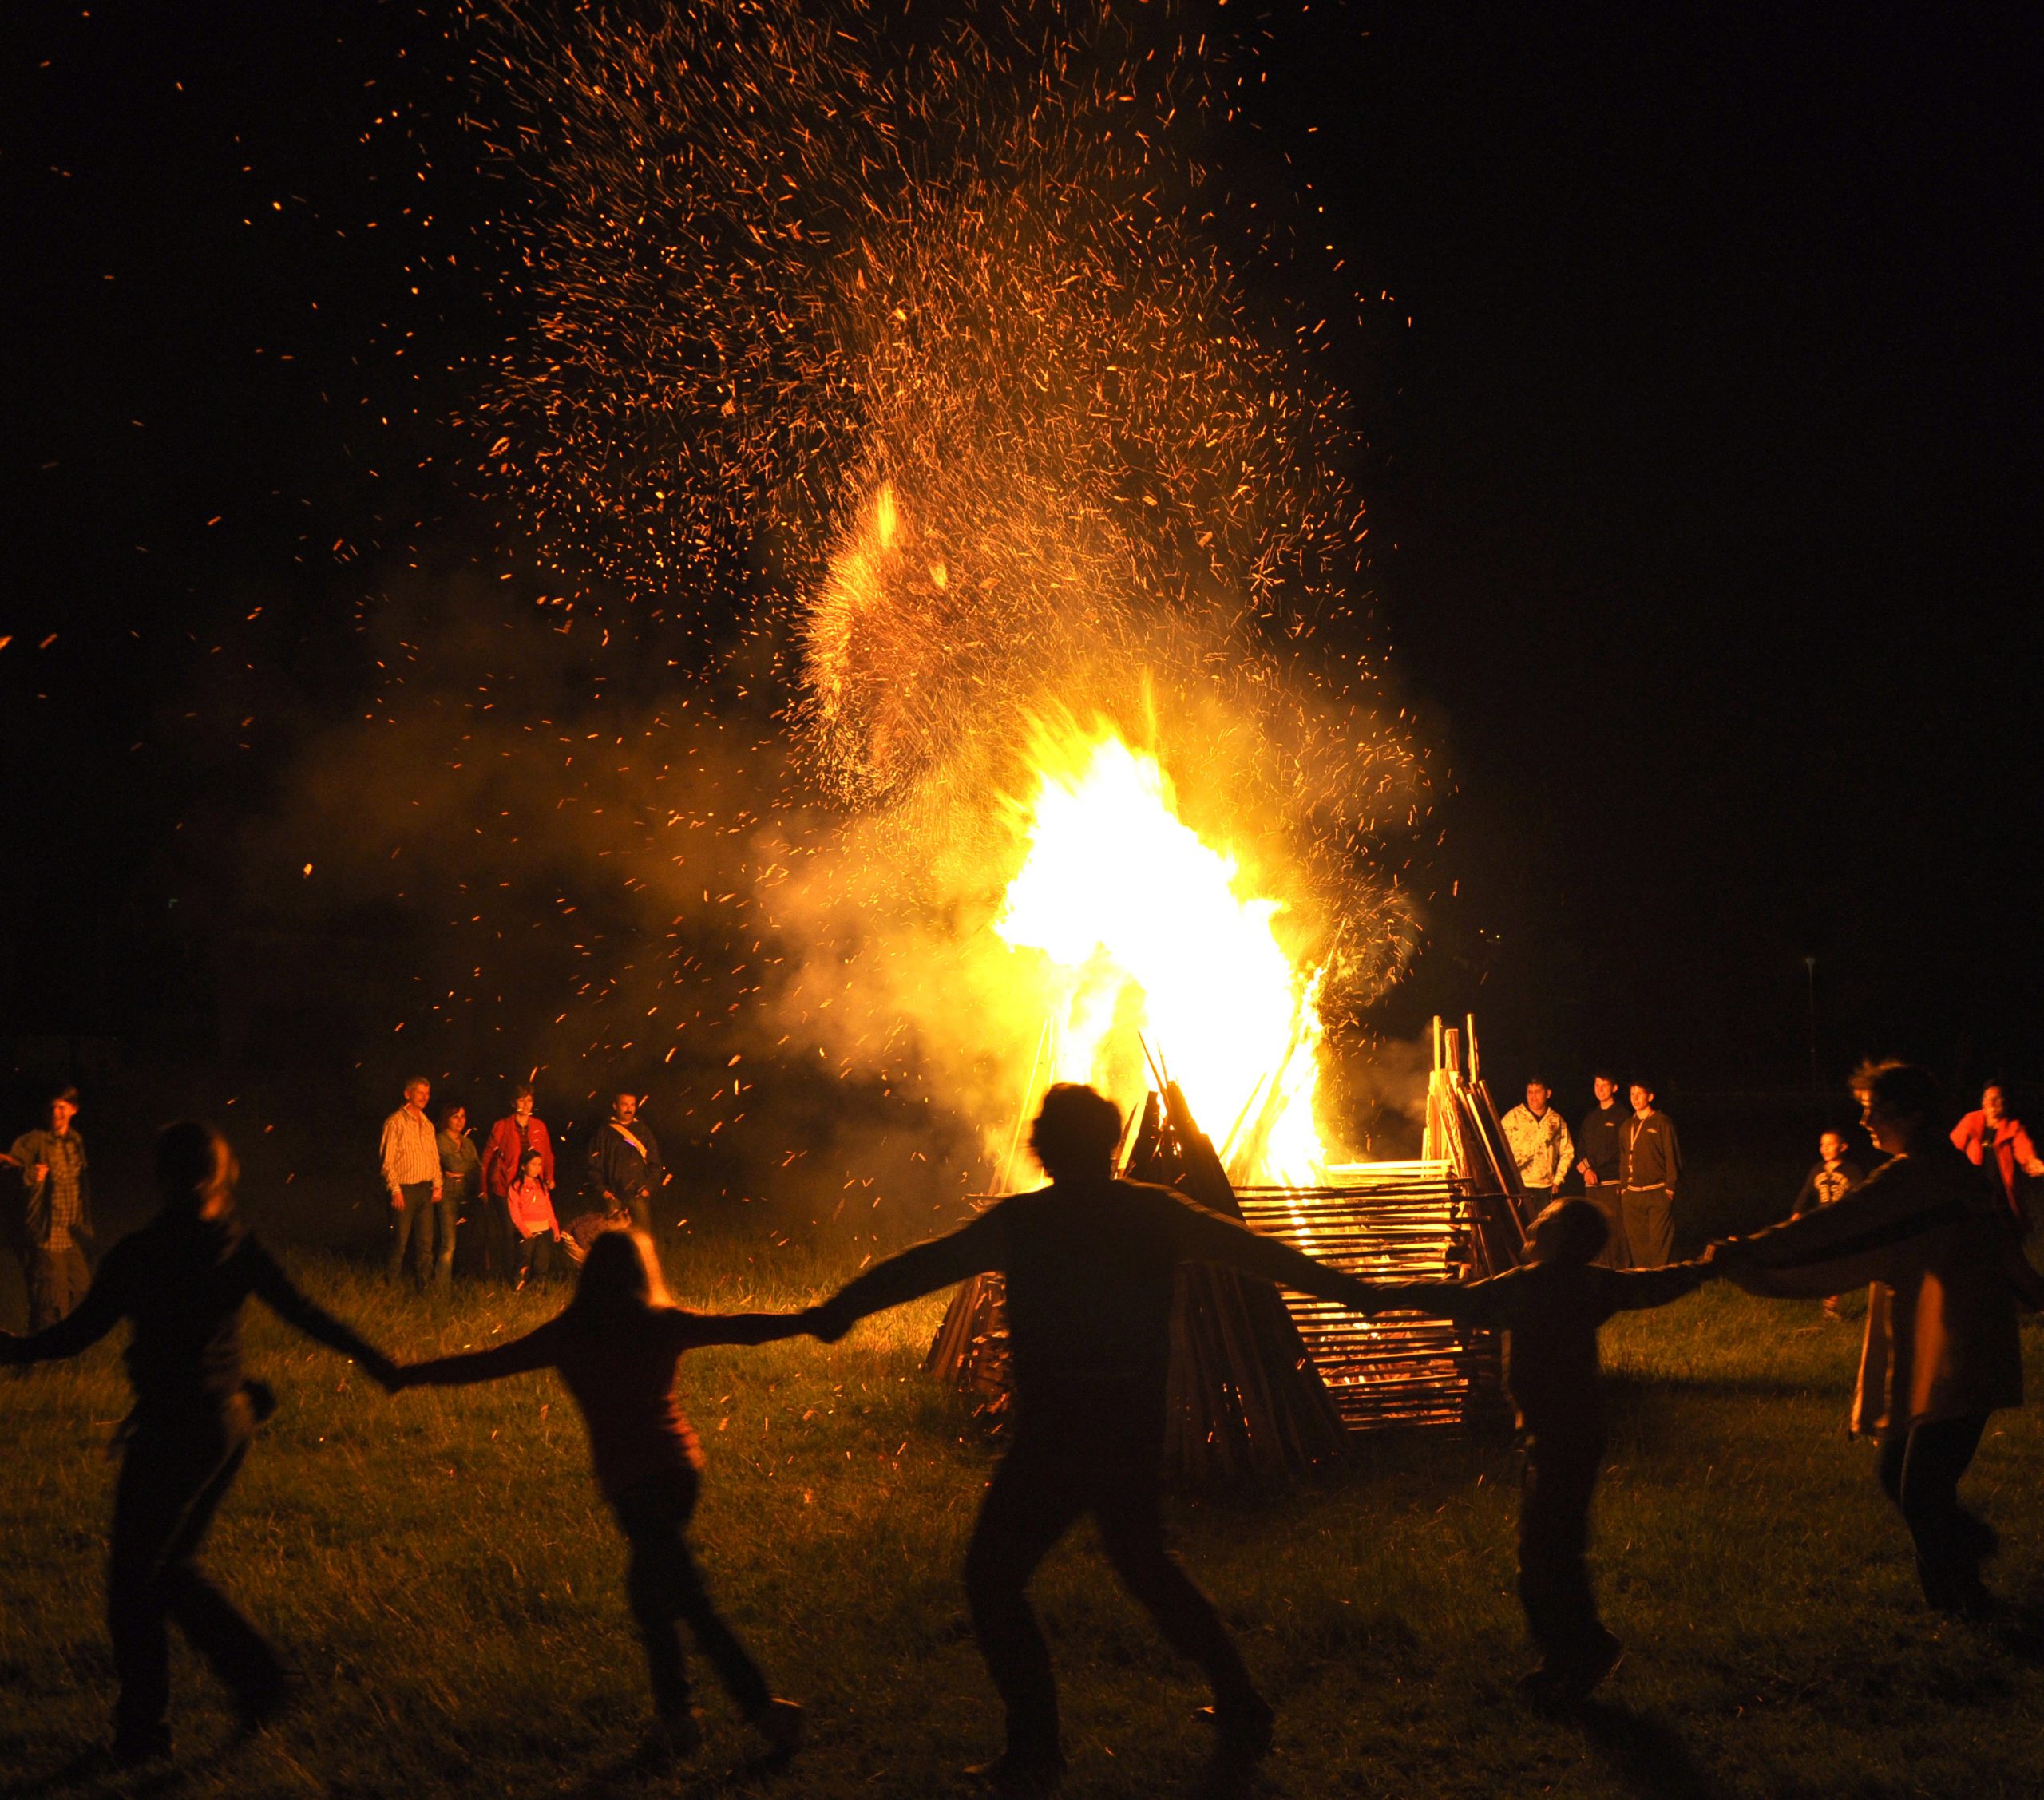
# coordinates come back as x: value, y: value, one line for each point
x: 442, y: 1569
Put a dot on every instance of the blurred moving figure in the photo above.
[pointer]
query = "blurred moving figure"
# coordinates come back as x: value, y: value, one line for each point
x: 618, y: 1345
x: 51, y: 1224
x: 1993, y: 1139
x: 1552, y: 1305
x: 1090, y: 1264
x: 1942, y: 1352
x: 180, y: 1282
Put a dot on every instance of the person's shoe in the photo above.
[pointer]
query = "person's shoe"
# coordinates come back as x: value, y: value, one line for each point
x: 781, y: 1725
x: 1020, y: 1775
x: 1245, y: 1729
x: 132, y: 1748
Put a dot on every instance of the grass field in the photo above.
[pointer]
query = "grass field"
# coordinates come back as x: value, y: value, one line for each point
x: 442, y: 1569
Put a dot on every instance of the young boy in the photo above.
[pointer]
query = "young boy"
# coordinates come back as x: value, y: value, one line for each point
x: 1553, y: 1306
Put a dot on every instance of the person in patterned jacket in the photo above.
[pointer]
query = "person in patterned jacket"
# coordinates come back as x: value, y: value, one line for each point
x: 1540, y: 1145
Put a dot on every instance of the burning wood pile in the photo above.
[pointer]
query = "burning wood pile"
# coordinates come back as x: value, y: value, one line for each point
x: 1264, y: 1384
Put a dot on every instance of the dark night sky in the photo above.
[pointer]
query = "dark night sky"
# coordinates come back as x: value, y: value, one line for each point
x: 1709, y: 454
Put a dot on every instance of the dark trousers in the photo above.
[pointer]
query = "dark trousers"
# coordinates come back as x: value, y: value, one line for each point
x: 56, y: 1281
x: 1650, y: 1216
x: 173, y: 1481
x: 1047, y: 1482
x: 535, y: 1256
x: 662, y: 1584
x: 1532, y: 1203
x: 1607, y: 1199
x: 1919, y: 1470
x: 1557, y: 1484
x: 418, y: 1222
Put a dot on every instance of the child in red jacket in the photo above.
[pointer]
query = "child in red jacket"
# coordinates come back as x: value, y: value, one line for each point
x: 617, y: 1345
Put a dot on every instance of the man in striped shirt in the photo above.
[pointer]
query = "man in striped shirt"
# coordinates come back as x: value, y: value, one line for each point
x: 411, y: 1175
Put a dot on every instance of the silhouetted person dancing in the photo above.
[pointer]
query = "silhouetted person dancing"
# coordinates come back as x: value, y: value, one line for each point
x: 1553, y: 1306
x: 1090, y: 1262
x: 1937, y: 1245
x: 180, y: 1281
x: 617, y: 1345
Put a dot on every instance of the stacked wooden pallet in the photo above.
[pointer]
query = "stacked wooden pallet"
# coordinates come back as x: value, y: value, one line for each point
x: 1390, y: 1221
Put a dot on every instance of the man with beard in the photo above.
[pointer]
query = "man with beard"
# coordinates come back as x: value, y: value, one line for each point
x: 625, y: 1163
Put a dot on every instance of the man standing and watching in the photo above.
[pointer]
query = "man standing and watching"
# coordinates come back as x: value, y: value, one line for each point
x: 1652, y: 1166
x: 1602, y: 1165
x: 1994, y: 1139
x: 1834, y: 1178
x: 625, y: 1163
x: 1539, y: 1143
x: 56, y: 1218
x: 411, y: 1173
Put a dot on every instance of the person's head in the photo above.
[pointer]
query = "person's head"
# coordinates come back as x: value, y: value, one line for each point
x: 1994, y: 1102
x: 63, y: 1109
x: 196, y: 1170
x: 1899, y: 1102
x: 1076, y: 1133
x: 1538, y: 1093
x: 624, y: 1107
x: 532, y: 1165
x: 621, y: 1280
x: 1831, y: 1146
x: 521, y: 1102
x: 455, y: 1120
x: 1607, y: 1084
x: 1569, y: 1230
x: 417, y: 1091
x: 1642, y: 1096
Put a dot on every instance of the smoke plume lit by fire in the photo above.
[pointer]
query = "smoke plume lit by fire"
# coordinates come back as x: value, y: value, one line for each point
x: 906, y: 360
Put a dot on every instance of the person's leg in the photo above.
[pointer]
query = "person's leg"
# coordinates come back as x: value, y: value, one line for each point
x: 1558, y: 1485
x: 1127, y: 1507
x: 403, y: 1219
x: 444, y: 1257
x: 1650, y: 1216
x: 650, y: 1521
x: 43, y: 1273
x: 237, y: 1653
x: 1607, y: 1201
x: 642, y: 1214
x: 1950, y: 1541
x: 1034, y: 1498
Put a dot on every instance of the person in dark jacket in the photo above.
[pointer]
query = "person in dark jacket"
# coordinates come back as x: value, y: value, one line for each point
x: 53, y: 1227
x: 625, y: 1163
x: 1553, y: 1306
x: 1943, y: 1351
x: 180, y: 1281
x: 1650, y: 1169
x: 616, y: 1346
x: 1090, y: 1264
x: 1602, y: 1166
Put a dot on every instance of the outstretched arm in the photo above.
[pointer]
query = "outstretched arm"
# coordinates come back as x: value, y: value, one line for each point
x: 1635, y: 1290
x: 535, y: 1349
x: 699, y: 1330
x: 105, y: 1301
x: 278, y: 1292
x: 1474, y: 1303
x: 1206, y: 1236
x: 941, y: 1263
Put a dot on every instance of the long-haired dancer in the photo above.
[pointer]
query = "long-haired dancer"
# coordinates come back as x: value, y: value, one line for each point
x: 616, y: 1345
x: 180, y: 1282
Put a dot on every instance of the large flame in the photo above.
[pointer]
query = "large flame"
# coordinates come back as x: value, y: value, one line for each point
x: 1142, y: 933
